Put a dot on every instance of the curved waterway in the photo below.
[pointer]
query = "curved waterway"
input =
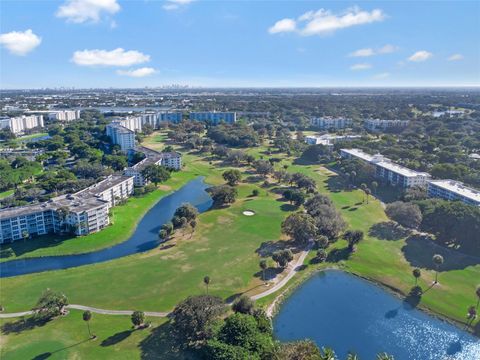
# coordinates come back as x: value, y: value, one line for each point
x: 144, y: 238
x: 347, y: 313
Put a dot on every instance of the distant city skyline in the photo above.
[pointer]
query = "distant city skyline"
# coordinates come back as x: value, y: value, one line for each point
x: 126, y: 44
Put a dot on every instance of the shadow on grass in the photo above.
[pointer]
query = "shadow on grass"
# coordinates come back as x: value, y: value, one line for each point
x: 270, y: 273
x: 23, y: 324
x: 46, y: 355
x: 388, y: 230
x: 160, y: 344
x: 116, y: 338
x: 267, y: 248
x: 19, y: 248
x: 337, y: 255
x: 419, y: 250
x: 288, y: 207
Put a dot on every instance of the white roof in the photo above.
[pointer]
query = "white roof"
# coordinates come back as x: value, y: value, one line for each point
x: 402, y: 170
x: 458, y: 188
x: 358, y: 153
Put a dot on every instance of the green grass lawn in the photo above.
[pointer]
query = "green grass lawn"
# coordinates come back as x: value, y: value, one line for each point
x: 6, y: 193
x: 67, y: 338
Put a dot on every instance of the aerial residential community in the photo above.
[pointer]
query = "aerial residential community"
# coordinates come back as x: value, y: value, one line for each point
x: 281, y: 180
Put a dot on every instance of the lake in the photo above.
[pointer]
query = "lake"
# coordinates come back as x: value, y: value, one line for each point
x: 347, y: 313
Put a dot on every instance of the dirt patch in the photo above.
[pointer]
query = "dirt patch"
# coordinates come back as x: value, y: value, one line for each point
x: 165, y: 187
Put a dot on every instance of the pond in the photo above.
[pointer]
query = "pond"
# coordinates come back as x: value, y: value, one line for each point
x: 347, y: 313
x: 144, y: 238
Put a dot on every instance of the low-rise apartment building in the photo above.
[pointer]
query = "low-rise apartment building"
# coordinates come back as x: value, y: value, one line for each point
x: 81, y: 213
x: 214, y: 117
x: 329, y: 140
x: 384, y: 125
x: 330, y: 123
x: 19, y: 124
x: 453, y: 190
x: 387, y: 170
x: 171, y: 160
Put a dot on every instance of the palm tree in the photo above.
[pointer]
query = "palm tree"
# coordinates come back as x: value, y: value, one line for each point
x: 263, y: 266
x: 352, y: 356
x: 478, y: 295
x: 327, y: 354
x: 374, y: 186
x: 471, y: 315
x: 364, y: 189
x: 25, y: 235
x: 384, y: 356
x: 206, y: 281
x: 437, y: 260
x: 416, y: 274
x: 87, y: 316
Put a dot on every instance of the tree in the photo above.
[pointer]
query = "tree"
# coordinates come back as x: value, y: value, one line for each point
x: 50, y: 304
x: 477, y: 292
x: 138, y: 318
x: 282, y: 257
x: 232, y: 176
x: 437, y: 260
x: 244, y: 305
x: 321, y: 242
x: 299, y: 226
x: 187, y: 211
x: 155, y: 173
x: 191, y: 318
x: 168, y: 227
x: 353, y: 237
x: 263, y: 265
x: 374, y: 186
x: 406, y: 214
x: 321, y: 255
x: 223, y: 194
x: 298, y: 350
x: 206, y: 281
x: 416, y: 274
x: 255, y: 192
x: 163, y: 234
x: 384, y: 356
x: 471, y: 315
x: 263, y: 167
x: 87, y: 316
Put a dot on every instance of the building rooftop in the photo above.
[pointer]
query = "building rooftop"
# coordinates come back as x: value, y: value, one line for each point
x: 105, y: 184
x: 458, y: 188
x: 359, y: 153
x: 120, y: 128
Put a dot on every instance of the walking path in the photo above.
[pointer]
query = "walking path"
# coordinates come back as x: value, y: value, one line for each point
x: 293, y: 269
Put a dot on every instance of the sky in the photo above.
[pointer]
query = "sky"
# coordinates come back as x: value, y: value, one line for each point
x: 138, y: 43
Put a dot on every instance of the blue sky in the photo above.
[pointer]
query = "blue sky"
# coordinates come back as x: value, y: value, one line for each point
x: 115, y: 43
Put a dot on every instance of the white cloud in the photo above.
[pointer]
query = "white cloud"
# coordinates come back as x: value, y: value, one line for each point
x: 323, y: 22
x: 363, y: 53
x: 382, y: 75
x: 141, y: 72
x: 420, y: 56
x: 455, y: 57
x: 284, y: 25
x: 386, y: 49
x: 176, y: 4
x: 80, y: 11
x: 20, y: 42
x: 117, y: 57
x: 360, y: 67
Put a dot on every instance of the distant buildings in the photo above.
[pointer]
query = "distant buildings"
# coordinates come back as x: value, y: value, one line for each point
x: 387, y: 170
x: 59, y: 115
x: 383, y: 125
x: 121, y: 135
x: 173, y: 117
x: 329, y: 140
x: 19, y: 124
x: 453, y: 190
x: 81, y: 213
x: 214, y: 117
x: 171, y: 159
x: 330, y: 123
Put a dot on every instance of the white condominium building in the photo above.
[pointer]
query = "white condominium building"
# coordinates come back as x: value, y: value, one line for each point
x: 81, y: 213
x: 171, y: 160
x: 387, y: 170
x: 330, y: 123
x: 121, y: 136
x: 382, y: 125
x: 453, y: 190
x: 64, y: 115
x: 19, y: 124
x: 330, y: 140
